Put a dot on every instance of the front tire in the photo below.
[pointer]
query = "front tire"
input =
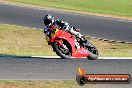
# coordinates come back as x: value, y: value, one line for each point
x: 59, y: 52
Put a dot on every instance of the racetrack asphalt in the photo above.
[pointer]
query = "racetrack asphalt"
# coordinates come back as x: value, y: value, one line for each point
x: 57, y: 68
x: 20, y: 68
x: 95, y: 26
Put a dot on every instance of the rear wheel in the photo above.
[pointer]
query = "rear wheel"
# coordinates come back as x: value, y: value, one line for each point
x: 93, y: 52
x: 64, y: 51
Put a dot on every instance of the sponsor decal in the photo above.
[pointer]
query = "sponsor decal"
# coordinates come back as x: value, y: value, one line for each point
x: 83, y: 78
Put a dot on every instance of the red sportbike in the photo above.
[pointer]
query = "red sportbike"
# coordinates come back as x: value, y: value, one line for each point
x: 67, y: 45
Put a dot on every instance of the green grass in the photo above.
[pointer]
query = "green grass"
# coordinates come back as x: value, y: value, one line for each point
x: 114, y: 7
x: 42, y: 84
x: 36, y: 84
x: 29, y: 42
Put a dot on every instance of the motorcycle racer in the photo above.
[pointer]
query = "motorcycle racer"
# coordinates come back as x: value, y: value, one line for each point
x: 49, y: 21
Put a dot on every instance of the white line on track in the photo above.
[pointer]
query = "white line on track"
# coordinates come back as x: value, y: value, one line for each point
x: 98, y: 58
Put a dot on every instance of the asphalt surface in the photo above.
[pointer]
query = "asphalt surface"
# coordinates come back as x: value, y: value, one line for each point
x: 108, y: 28
x: 62, y: 69
x: 55, y: 68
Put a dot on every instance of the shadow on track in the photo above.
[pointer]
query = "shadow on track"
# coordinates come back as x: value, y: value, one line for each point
x: 5, y: 56
x: 22, y: 57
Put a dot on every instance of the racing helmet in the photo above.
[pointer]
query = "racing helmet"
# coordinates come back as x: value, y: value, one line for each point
x: 48, y: 19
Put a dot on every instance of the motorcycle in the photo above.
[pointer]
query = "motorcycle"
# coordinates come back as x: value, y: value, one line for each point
x: 67, y: 45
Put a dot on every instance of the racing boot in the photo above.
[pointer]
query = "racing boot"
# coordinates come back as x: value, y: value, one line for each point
x: 85, y: 42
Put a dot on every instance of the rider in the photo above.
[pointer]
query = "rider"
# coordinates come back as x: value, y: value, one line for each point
x: 49, y: 21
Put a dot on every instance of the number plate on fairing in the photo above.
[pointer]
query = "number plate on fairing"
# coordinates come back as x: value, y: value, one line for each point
x: 53, y: 32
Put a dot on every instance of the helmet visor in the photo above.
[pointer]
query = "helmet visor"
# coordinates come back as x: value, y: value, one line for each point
x: 46, y: 22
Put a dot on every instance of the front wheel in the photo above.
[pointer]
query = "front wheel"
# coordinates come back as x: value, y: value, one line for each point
x: 63, y: 51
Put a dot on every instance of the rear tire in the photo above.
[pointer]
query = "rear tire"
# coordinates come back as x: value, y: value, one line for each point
x: 93, y: 52
x: 92, y: 56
